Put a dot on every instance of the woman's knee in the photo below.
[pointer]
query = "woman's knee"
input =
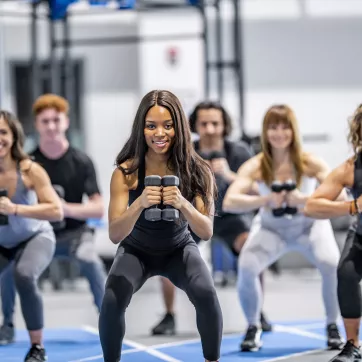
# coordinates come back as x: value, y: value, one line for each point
x: 118, y: 291
x: 24, y: 279
x: 248, y: 267
x: 347, y: 275
x: 328, y: 268
x: 202, y: 292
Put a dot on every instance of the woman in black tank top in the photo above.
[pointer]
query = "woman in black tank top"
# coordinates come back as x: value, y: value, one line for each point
x: 324, y: 204
x: 160, y: 144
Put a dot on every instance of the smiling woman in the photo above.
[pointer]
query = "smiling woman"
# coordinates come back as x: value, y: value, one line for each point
x: 160, y: 144
x: 159, y: 129
x: 28, y: 200
x: 286, y: 177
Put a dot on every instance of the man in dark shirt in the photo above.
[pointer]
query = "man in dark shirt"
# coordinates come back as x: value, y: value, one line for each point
x: 213, y: 125
x: 73, y: 176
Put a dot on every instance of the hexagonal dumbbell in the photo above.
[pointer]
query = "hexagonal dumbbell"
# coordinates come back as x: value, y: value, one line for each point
x: 4, y: 219
x: 289, y: 186
x: 169, y: 213
x: 153, y: 213
x: 278, y: 187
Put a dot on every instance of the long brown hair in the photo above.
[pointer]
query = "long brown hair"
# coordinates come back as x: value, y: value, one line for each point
x: 194, y: 173
x: 17, y: 149
x: 280, y: 114
x: 355, y: 128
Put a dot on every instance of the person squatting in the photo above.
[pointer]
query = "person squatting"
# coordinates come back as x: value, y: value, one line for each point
x: 162, y: 192
x: 159, y: 162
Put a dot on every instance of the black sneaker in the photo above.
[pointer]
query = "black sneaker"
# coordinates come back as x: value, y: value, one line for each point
x: 334, y: 340
x: 275, y: 268
x: 166, y: 326
x: 349, y: 353
x: 252, y: 341
x: 265, y: 324
x: 36, y: 354
x: 7, y: 334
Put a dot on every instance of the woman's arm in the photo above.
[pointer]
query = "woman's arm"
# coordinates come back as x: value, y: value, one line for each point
x: 239, y: 197
x: 200, y: 222
x: 121, y: 217
x: 200, y: 219
x: 322, y: 170
x: 324, y: 202
x: 49, y: 206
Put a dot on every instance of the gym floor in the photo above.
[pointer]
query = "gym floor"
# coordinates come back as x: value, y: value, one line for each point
x: 292, y: 301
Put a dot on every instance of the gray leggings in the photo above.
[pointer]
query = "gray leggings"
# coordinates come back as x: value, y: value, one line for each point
x: 30, y: 259
x: 78, y: 244
x: 267, y: 242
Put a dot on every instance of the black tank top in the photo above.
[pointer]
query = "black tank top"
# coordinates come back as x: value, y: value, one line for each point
x: 155, y: 236
x: 357, y: 189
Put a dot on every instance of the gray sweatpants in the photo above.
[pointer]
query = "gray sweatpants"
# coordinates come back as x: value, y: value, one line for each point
x: 30, y: 259
x: 269, y: 239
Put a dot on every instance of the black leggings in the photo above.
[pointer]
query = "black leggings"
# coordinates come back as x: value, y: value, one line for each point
x: 349, y: 277
x: 185, y: 268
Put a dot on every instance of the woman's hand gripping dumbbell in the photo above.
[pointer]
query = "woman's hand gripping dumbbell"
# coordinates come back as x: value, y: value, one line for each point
x: 171, y: 198
x: 151, y: 197
x: 164, y: 189
x: 277, y: 198
x: 284, y: 195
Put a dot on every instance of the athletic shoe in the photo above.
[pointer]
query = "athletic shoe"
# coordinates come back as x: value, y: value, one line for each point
x: 252, y: 341
x: 166, y: 326
x: 349, y: 353
x: 265, y: 324
x: 7, y: 334
x: 334, y: 340
x: 36, y: 354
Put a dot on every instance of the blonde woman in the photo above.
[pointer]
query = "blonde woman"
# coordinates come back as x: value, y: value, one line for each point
x: 280, y: 225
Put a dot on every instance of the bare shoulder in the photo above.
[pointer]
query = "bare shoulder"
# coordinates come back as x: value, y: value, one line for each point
x: 31, y: 169
x: 27, y: 164
x: 251, y: 168
x: 33, y: 174
x: 120, y: 177
x: 313, y: 164
x: 343, y: 173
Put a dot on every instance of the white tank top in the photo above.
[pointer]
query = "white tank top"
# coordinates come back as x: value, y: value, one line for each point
x: 307, y: 186
x: 285, y: 223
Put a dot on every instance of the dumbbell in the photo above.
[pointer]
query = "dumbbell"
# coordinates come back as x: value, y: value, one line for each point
x: 4, y: 219
x: 208, y: 156
x: 58, y: 225
x: 153, y: 213
x: 290, y: 186
x: 169, y: 213
x: 278, y: 187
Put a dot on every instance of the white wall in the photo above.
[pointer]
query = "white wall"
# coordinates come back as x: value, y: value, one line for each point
x: 116, y: 76
x: 306, y: 55
x: 297, y: 52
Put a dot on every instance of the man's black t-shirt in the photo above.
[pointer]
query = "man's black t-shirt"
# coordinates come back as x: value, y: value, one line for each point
x: 73, y: 176
x: 236, y: 154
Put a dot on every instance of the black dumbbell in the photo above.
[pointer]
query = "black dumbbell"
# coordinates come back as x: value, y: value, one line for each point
x: 169, y: 213
x: 290, y: 186
x: 278, y: 187
x: 208, y: 156
x: 59, y: 225
x: 153, y: 213
x: 4, y: 219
